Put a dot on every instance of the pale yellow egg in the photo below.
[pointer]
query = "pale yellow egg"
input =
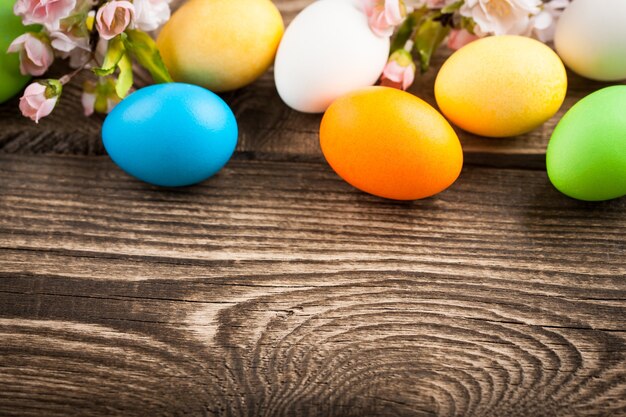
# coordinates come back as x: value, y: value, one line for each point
x: 501, y: 86
x: 221, y: 44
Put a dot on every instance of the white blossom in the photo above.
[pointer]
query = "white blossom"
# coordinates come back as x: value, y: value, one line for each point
x: 544, y: 23
x: 151, y: 14
x: 501, y: 17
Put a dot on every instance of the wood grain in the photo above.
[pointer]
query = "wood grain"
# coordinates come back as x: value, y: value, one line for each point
x: 274, y: 289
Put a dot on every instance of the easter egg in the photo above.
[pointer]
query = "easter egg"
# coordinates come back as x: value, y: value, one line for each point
x: 590, y: 37
x: 586, y: 157
x: 221, y: 44
x: 391, y: 144
x: 11, y: 80
x: 171, y: 134
x: 501, y: 86
x: 327, y: 51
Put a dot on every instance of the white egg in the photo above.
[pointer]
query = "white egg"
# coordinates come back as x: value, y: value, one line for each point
x: 591, y: 38
x: 327, y: 51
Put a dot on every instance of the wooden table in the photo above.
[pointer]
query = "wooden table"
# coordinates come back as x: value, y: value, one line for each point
x: 275, y: 289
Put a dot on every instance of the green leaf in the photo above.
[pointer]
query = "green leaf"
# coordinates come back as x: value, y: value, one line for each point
x: 104, y: 90
x: 468, y: 24
x: 54, y: 88
x: 404, y: 33
x: 451, y: 8
x: 125, y: 79
x: 144, y: 50
x: 428, y: 38
x: 101, y: 104
x: 114, y: 54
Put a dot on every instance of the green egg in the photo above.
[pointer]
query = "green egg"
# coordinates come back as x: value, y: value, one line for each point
x: 11, y: 80
x: 586, y: 157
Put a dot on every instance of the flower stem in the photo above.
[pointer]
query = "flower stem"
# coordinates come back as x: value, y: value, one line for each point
x: 68, y: 77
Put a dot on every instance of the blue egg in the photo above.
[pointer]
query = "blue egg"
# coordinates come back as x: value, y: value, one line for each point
x: 171, y: 135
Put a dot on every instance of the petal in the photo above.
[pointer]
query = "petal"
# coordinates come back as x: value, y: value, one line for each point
x: 394, y: 71
x: 140, y: 6
x: 35, y: 100
x: 35, y: 50
x: 88, y: 101
x: 28, y: 68
x: 108, y: 13
x: 378, y: 24
x: 368, y: 6
x: 20, y: 7
x: 39, y: 12
x: 393, y: 12
x: 18, y: 43
x: 35, y: 89
x: 558, y: 4
x: 62, y: 42
x: 531, y: 6
x: 101, y: 22
x: 408, y: 78
x: 26, y: 109
x: 543, y: 20
x: 520, y: 26
x: 45, y: 108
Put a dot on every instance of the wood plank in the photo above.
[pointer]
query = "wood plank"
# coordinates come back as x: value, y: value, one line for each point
x: 269, y: 129
x: 276, y: 289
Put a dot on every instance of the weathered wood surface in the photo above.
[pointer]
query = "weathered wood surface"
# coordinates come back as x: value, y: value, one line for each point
x: 275, y: 289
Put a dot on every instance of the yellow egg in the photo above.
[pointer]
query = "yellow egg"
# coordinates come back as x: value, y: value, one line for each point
x: 221, y: 44
x: 501, y: 86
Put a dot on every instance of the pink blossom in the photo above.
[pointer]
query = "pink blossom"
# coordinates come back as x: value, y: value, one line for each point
x: 399, y: 71
x: 36, y: 54
x: 384, y: 15
x: 500, y: 17
x: 45, y: 12
x: 114, y: 17
x: 439, y: 4
x: 35, y: 102
x: 459, y: 38
x: 150, y: 14
x: 544, y: 23
x: 88, y: 99
x: 76, y: 48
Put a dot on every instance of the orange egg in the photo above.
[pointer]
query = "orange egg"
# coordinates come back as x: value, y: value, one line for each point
x: 391, y: 144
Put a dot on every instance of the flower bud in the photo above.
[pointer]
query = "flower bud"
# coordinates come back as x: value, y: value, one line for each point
x: 45, y: 12
x: 114, y: 17
x: 399, y: 71
x: 36, y: 54
x: 384, y: 15
x: 40, y: 98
